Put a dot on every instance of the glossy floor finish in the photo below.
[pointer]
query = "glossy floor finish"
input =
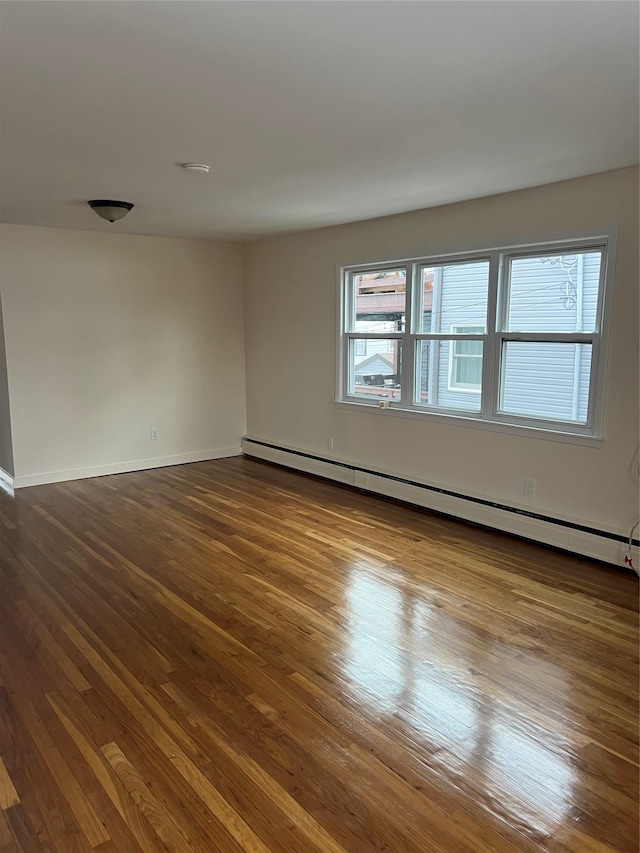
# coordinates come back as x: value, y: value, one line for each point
x: 228, y: 656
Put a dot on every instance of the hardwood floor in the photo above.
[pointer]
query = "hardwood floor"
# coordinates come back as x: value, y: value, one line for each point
x: 228, y: 656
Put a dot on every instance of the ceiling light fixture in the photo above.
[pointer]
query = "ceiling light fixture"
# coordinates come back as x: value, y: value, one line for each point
x: 196, y: 167
x: 109, y: 209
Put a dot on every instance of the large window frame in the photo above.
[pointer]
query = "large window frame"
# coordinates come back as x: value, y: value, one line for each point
x: 494, y: 341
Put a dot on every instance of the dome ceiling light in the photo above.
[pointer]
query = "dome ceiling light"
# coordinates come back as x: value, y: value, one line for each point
x: 196, y: 167
x: 109, y: 209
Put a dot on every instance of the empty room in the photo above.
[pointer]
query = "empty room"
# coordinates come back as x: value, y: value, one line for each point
x: 319, y: 426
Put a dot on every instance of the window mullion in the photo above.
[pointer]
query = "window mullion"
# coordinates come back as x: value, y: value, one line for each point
x: 490, y: 355
x: 595, y: 361
x: 550, y: 337
x: 407, y: 364
x: 346, y: 322
x: 373, y: 336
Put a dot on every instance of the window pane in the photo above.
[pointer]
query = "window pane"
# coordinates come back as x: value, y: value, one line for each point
x: 446, y: 380
x: 453, y: 295
x: 472, y: 348
x: 546, y: 380
x: 379, y: 301
x: 375, y: 368
x: 554, y: 293
x: 468, y: 372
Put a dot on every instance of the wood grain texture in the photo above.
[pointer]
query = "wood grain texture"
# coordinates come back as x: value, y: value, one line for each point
x: 8, y: 795
x: 228, y: 656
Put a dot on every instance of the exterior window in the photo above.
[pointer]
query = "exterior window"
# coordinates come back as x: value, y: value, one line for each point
x: 550, y: 315
x: 465, y: 362
x: 509, y: 336
x: 377, y: 313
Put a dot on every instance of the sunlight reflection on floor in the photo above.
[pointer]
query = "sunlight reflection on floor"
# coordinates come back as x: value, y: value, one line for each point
x: 398, y: 665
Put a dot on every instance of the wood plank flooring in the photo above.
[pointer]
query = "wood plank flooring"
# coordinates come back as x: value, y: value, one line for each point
x: 228, y: 656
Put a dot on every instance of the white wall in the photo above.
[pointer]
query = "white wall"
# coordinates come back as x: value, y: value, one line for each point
x: 6, y: 448
x: 290, y: 324
x: 108, y: 335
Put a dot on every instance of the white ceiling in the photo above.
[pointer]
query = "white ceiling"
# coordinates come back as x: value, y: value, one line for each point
x: 309, y: 113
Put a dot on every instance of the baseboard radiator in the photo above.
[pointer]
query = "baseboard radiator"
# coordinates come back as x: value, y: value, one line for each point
x: 582, y: 540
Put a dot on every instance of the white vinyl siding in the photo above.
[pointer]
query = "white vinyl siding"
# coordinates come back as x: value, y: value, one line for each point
x: 552, y: 376
x: 547, y: 297
x: 366, y: 348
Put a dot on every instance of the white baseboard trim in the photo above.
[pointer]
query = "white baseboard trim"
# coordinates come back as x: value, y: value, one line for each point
x: 583, y: 540
x: 123, y: 467
x: 6, y: 482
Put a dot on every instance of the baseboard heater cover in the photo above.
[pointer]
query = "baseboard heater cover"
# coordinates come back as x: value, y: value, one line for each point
x: 568, y: 536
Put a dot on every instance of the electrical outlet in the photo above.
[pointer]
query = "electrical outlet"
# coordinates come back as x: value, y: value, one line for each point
x: 330, y: 444
x: 529, y: 488
x: 154, y: 432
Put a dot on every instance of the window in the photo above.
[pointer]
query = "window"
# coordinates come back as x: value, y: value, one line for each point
x: 511, y: 336
x: 465, y: 362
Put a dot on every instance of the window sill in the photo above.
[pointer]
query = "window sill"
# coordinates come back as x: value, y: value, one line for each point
x: 475, y: 423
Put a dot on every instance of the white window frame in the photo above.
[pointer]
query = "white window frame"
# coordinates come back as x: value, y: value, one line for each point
x: 490, y: 416
x: 457, y: 329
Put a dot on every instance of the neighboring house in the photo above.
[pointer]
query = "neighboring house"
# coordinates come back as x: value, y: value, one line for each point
x: 378, y: 364
x: 377, y: 376
x: 380, y: 307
